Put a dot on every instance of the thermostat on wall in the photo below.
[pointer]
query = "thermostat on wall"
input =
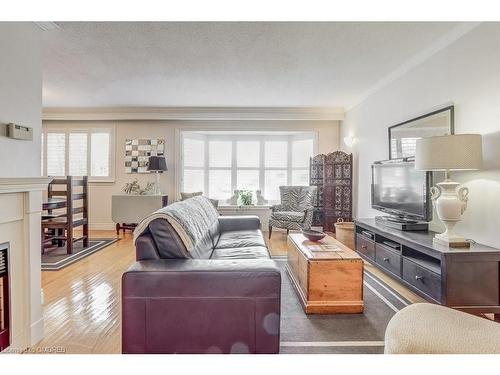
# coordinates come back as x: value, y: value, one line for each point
x: 19, y: 132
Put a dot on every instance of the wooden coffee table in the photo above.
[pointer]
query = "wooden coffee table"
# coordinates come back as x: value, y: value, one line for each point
x: 327, y: 275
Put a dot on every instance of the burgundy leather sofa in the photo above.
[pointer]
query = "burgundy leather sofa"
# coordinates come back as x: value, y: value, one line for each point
x: 222, y: 297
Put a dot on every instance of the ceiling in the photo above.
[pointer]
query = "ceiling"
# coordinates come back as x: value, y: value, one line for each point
x: 162, y: 64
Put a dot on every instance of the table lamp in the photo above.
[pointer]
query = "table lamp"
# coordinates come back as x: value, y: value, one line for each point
x: 157, y: 164
x: 447, y: 153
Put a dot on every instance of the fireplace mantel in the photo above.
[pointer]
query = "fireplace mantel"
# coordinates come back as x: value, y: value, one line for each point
x: 21, y: 203
x: 23, y: 184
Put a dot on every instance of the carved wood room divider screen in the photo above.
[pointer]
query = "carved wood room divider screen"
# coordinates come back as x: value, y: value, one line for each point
x: 332, y: 175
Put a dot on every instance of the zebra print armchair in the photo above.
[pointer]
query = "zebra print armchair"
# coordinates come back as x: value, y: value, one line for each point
x: 295, y: 211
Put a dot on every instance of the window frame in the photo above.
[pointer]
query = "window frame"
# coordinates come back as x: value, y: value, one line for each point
x: 266, y: 135
x: 89, y: 130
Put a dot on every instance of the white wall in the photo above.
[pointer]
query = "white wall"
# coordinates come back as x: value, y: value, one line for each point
x: 20, y: 97
x: 466, y: 73
x: 100, y: 193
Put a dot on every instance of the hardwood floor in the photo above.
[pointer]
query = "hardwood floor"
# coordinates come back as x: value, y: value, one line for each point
x: 82, y: 301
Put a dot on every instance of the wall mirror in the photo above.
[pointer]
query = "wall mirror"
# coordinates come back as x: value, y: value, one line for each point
x: 403, y: 137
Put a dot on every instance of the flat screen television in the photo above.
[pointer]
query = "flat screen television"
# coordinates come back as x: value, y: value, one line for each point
x: 400, y: 190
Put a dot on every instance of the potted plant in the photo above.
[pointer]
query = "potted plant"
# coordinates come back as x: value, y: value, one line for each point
x: 246, y: 197
x: 133, y: 188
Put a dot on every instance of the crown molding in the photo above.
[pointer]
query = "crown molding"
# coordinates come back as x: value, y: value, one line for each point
x: 193, y: 113
x: 418, y: 59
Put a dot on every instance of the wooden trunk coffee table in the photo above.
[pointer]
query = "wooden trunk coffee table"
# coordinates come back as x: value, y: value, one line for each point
x: 327, y: 275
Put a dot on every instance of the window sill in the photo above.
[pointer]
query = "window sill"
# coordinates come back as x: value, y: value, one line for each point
x: 110, y: 181
x: 90, y: 181
x: 249, y: 208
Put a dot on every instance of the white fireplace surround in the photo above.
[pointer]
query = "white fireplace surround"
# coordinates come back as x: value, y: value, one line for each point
x: 20, y: 213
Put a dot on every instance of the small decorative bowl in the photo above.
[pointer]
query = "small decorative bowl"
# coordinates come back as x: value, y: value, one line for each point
x: 313, y: 235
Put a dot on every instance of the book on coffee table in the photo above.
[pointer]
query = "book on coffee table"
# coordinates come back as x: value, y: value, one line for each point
x: 324, y: 248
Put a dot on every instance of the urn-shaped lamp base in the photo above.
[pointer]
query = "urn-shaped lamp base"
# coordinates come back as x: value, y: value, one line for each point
x: 450, y: 201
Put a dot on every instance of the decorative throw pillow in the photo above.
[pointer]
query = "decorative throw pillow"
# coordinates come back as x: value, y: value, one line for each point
x: 215, y: 202
x: 185, y: 196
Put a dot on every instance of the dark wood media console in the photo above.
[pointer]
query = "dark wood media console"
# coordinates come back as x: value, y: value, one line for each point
x: 466, y: 279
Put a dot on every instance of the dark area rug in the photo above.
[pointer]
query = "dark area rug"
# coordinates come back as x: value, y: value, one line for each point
x: 338, y: 333
x: 55, y: 258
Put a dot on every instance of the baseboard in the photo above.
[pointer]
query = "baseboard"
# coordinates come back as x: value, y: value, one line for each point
x: 36, y: 332
x: 112, y: 226
x: 102, y: 226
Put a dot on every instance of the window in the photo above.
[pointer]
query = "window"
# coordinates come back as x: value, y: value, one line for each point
x: 302, y: 150
x: 276, y: 171
x: 219, y: 154
x: 276, y: 154
x: 193, y: 180
x: 248, y: 154
x: 248, y: 164
x: 217, y: 162
x: 78, y: 152
x: 219, y: 186
x: 220, y: 161
x: 247, y: 179
x: 274, y: 179
x: 405, y: 147
x: 56, y: 151
x: 409, y: 146
x: 99, y: 154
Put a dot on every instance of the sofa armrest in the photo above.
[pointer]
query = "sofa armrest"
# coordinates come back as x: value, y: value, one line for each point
x: 145, y: 248
x: 308, y: 217
x: 277, y: 208
x: 240, y: 222
x: 201, y: 306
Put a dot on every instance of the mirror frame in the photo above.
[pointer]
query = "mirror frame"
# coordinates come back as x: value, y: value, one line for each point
x: 450, y: 108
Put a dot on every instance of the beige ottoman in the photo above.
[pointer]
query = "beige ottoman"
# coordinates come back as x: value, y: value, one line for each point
x: 425, y: 328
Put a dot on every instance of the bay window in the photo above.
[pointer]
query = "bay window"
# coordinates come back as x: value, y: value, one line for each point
x: 218, y: 162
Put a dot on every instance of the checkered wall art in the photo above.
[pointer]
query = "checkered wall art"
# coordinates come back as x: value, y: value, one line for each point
x: 138, y: 151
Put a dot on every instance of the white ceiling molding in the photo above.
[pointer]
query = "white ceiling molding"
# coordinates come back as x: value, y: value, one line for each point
x: 440, y: 44
x: 194, y: 113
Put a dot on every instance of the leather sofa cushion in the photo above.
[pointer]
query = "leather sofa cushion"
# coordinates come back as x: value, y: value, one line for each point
x: 241, y: 238
x: 204, y: 247
x: 252, y: 252
x: 215, y: 233
x: 170, y: 245
x: 297, y: 217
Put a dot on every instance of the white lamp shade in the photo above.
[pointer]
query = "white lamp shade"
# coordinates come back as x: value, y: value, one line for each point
x: 449, y: 152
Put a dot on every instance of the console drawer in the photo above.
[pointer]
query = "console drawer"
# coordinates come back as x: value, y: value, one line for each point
x: 365, y: 246
x: 388, y: 259
x: 422, y: 279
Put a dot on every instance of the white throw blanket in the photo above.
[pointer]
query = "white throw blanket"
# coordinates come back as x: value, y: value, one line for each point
x: 191, y: 219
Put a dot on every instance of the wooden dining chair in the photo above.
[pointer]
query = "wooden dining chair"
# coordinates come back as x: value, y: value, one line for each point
x: 59, y: 227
